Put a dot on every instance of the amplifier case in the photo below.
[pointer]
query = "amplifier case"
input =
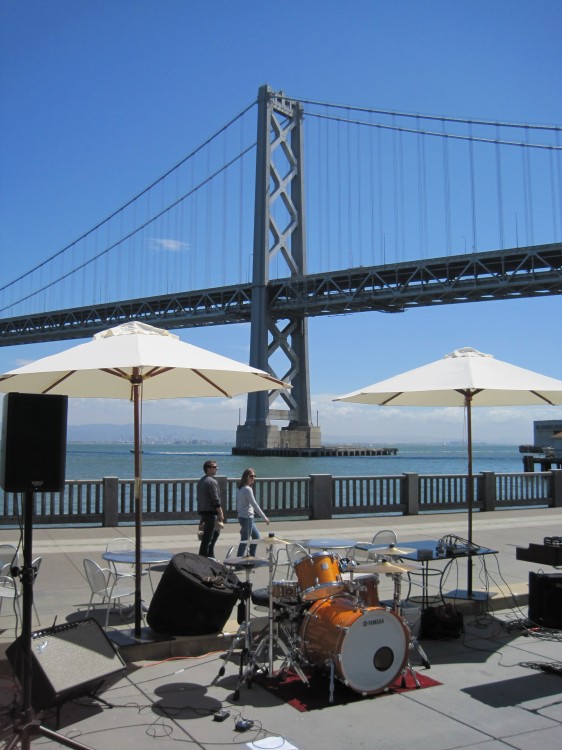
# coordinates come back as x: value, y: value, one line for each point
x: 545, y: 599
x: 68, y: 661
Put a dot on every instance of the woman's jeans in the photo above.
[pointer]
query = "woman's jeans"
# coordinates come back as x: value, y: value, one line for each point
x: 248, y: 530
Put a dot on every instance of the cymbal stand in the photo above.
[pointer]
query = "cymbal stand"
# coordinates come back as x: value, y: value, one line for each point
x: 244, y: 633
x: 397, y: 608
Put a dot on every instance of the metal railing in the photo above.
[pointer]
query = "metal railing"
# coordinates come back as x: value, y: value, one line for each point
x: 110, y: 501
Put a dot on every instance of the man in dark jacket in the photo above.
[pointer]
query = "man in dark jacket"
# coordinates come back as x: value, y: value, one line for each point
x: 209, y: 508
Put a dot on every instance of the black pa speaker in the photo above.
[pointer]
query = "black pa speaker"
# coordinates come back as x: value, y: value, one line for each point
x: 545, y: 599
x: 68, y: 661
x: 33, y: 443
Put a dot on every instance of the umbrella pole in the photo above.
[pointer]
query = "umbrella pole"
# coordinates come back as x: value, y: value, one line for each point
x: 470, y: 488
x: 136, y: 383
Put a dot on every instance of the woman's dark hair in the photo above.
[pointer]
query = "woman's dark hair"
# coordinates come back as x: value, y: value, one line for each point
x: 244, y: 478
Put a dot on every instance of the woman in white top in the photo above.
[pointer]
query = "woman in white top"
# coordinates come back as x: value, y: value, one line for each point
x: 246, y: 507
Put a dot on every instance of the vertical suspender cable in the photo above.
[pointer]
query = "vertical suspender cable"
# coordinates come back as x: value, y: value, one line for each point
x: 472, y: 189
x: 446, y: 190
x: 381, y: 204
x: 372, y: 192
x: 360, y: 193
x: 339, y: 182
x: 402, y: 206
x: 558, y: 163
x: 224, y: 211
x: 396, y: 191
x: 528, y: 186
x: 350, y: 234
x: 556, y: 205
x: 320, y: 195
x: 499, y: 185
x: 329, y: 213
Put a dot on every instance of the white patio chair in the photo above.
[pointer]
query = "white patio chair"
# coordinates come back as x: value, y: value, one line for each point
x: 8, y: 590
x: 110, y: 588
x: 8, y: 558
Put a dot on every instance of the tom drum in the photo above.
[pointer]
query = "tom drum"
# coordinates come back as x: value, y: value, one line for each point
x: 319, y: 576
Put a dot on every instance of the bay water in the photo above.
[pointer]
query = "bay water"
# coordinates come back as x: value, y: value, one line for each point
x: 185, y: 461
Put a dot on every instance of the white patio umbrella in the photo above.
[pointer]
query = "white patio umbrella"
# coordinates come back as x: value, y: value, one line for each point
x: 466, y: 378
x: 138, y: 362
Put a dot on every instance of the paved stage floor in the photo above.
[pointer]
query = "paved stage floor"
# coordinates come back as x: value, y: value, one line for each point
x: 495, y: 691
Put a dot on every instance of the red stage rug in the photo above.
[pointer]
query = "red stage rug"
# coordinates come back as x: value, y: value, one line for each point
x: 293, y: 691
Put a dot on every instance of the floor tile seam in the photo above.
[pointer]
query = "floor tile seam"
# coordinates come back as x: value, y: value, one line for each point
x: 421, y: 701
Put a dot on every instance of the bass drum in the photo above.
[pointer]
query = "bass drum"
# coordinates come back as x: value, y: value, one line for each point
x: 368, y: 647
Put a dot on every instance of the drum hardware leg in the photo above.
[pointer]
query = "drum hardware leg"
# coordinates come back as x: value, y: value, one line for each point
x: 416, y: 644
x: 282, y: 639
x: 412, y: 671
x: 244, y: 634
x: 292, y: 655
x: 332, y: 680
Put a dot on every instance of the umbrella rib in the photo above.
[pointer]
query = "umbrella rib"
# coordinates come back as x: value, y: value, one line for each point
x: 210, y: 382
x: 546, y: 400
x: 60, y: 380
x: 388, y: 400
x: 116, y: 371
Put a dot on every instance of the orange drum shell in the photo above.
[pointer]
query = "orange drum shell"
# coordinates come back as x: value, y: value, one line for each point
x: 319, y: 576
x: 334, y: 631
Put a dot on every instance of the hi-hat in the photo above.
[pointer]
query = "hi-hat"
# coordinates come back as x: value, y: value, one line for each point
x: 384, y: 567
x: 246, y: 562
x: 389, y: 551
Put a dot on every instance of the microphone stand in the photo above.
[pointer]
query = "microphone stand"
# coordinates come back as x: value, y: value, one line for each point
x: 27, y: 725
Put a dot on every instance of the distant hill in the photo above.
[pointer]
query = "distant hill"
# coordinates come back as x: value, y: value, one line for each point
x: 158, y: 433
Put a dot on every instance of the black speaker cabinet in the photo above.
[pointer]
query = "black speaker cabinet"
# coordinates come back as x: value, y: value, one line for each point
x: 68, y: 661
x: 545, y: 599
x: 33, y: 443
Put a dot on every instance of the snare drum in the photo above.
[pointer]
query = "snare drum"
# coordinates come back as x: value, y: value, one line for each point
x: 286, y: 592
x: 319, y: 576
x: 368, y: 647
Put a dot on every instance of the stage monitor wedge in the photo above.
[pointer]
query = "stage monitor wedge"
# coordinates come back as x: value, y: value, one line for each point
x: 33, y: 455
x: 68, y: 661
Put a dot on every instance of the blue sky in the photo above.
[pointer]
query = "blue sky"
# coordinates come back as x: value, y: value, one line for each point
x: 99, y: 99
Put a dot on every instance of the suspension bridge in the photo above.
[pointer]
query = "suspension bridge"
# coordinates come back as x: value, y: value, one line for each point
x: 398, y: 211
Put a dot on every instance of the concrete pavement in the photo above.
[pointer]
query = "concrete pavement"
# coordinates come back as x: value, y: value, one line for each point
x: 494, y: 691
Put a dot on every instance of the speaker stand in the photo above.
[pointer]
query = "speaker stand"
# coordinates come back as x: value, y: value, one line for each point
x: 26, y: 724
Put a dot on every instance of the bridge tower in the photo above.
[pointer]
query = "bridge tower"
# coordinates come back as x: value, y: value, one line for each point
x: 280, y: 235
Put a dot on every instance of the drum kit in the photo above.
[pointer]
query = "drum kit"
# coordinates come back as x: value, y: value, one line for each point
x: 326, y: 620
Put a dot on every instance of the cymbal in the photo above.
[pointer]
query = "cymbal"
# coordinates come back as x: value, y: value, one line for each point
x: 246, y: 562
x: 384, y: 567
x: 389, y: 551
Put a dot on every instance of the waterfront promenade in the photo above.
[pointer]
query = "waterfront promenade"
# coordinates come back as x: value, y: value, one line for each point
x: 490, y: 697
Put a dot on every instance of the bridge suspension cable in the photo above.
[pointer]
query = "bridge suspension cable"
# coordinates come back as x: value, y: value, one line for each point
x: 376, y: 192
x: 155, y: 216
